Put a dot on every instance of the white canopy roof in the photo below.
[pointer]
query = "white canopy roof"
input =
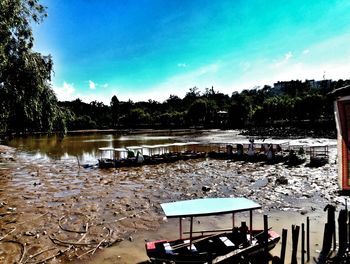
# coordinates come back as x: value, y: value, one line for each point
x: 208, y: 206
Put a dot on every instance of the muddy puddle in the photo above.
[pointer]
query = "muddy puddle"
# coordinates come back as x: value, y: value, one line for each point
x: 55, y: 210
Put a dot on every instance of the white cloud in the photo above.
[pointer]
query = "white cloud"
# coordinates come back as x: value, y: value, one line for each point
x: 284, y: 61
x: 105, y: 85
x: 92, y: 85
x: 64, y: 92
x: 182, y: 65
x: 306, y: 51
x: 288, y: 56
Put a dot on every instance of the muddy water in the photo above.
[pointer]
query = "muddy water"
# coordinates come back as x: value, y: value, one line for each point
x: 46, y: 197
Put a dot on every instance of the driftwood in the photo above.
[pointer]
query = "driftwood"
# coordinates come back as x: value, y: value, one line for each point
x: 92, y: 251
x: 70, y: 230
x: 22, y: 246
x: 72, y: 243
x: 38, y: 254
x: 61, y: 251
x: 1, y: 238
x: 7, y: 213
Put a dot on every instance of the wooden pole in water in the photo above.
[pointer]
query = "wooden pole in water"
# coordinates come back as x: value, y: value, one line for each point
x: 266, y: 239
x: 342, y: 229
x: 284, y: 244
x: 302, y: 243
x: 295, y: 237
x: 307, y: 239
x: 349, y: 231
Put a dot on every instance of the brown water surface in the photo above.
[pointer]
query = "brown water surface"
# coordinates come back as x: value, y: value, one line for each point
x: 46, y: 197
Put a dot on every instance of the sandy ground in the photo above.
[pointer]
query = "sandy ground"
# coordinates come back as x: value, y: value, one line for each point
x: 55, y: 210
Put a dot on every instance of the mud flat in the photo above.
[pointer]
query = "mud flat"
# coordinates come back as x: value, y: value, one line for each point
x: 58, y: 211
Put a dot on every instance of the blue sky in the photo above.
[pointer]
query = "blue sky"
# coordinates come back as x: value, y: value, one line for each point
x: 151, y: 49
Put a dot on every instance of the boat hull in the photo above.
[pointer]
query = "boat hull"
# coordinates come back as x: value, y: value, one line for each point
x: 210, y: 248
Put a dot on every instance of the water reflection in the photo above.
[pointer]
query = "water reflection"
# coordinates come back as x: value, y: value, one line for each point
x: 83, y: 146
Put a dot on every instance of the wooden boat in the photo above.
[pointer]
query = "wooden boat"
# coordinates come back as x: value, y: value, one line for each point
x: 211, y: 246
x: 107, y: 157
x: 318, y: 155
x: 120, y: 157
x: 297, y: 155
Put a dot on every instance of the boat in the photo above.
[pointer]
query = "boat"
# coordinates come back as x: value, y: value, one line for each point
x: 211, y: 246
x: 296, y: 155
x: 120, y: 157
x: 318, y: 155
x: 107, y: 157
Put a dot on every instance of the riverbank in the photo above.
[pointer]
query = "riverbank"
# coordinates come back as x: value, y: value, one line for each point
x: 58, y: 209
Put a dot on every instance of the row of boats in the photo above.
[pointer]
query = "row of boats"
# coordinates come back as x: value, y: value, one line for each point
x: 253, y: 151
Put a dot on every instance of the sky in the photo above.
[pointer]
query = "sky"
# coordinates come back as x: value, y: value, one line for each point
x: 151, y: 49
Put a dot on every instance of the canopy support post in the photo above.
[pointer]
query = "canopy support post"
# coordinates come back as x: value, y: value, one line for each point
x: 180, y: 225
x: 251, y: 225
x: 191, y: 230
x: 233, y: 221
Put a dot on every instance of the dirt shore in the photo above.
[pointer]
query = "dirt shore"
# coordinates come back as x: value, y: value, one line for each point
x: 55, y: 210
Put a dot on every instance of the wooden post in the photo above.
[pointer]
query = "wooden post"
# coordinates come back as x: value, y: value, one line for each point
x: 295, y: 237
x: 327, y: 244
x: 284, y: 244
x: 266, y: 239
x: 331, y: 221
x: 349, y: 231
x: 307, y: 239
x: 342, y: 229
x: 191, y: 230
x: 302, y: 243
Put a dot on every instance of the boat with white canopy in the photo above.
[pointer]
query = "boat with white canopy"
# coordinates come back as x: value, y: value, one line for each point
x: 211, y: 246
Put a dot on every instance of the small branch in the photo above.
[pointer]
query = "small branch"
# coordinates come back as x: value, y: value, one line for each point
x: 1, y: 238
x: 37, y: 254
x: 92, y: 251
x: 7, y: 213
x: 72, y: 243
x: 19, y: 243
x: 61, y: 251
x: 72, y: 231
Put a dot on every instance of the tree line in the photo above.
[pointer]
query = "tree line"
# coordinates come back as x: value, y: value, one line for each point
x: 28, y: 103
x: 295, y: 104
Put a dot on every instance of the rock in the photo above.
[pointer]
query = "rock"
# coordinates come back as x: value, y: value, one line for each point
x: 303, y: 212
x: 206, y: 188
x: 281, y: 180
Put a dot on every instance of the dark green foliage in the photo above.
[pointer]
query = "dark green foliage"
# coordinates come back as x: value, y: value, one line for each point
x: 197, y: 112
x: 27, y: 102
x: 297, y: 104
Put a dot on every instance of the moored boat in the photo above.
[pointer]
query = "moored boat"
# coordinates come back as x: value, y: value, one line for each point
x: 318, y: 155
x: 211, y: 246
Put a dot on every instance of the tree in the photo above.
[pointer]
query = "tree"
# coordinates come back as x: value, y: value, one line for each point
x: 197, y: 111
x: 115, y: 111
x: 25, y: 75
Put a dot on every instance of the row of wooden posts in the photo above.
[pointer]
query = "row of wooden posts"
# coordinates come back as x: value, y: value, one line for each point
x: 305, y: 243
x: 328, y: 253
